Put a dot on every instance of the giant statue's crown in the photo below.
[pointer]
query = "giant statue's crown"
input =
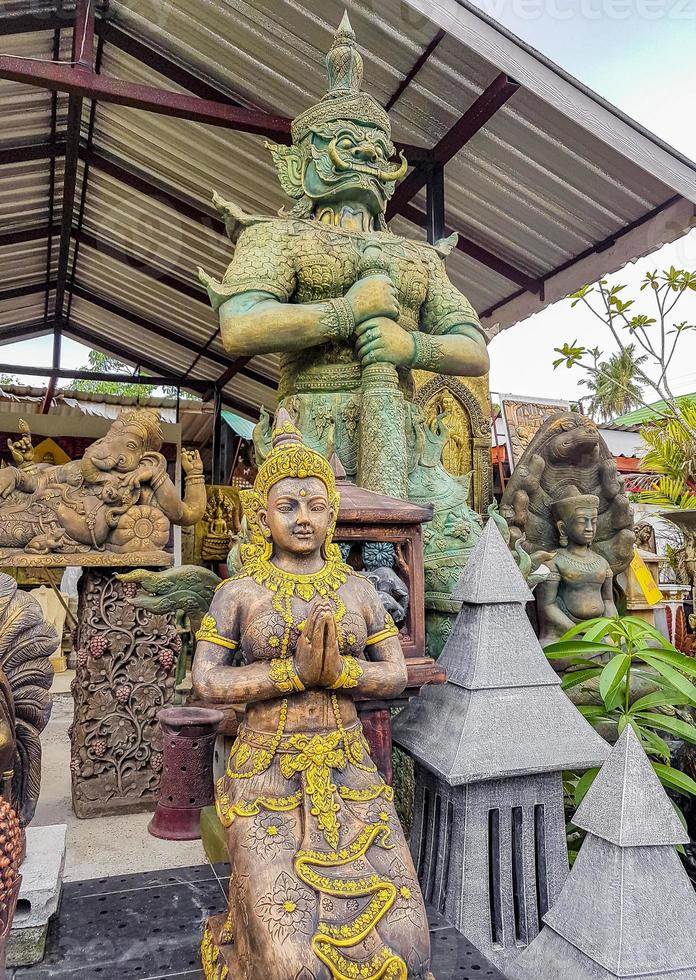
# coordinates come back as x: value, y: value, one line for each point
x: 344, y: 100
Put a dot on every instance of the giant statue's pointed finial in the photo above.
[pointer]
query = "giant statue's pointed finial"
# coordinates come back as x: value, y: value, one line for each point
x: 343, y: 62
x: 344, y: 98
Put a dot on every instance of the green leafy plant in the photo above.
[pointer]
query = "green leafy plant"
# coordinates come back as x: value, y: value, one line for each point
x: 625, y: 653
x: 671, y: 455
x: 645, y: 344
x: 105, y: 364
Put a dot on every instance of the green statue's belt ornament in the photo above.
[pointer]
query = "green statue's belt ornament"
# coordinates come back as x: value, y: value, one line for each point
x: 350, y: 307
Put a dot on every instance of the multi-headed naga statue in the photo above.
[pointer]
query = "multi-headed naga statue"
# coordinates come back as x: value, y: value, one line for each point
x: 352, y: 308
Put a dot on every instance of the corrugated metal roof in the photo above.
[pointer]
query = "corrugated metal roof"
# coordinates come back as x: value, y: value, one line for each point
x: 196, y: 419
x: 647, y: 413
x: 534, y: 187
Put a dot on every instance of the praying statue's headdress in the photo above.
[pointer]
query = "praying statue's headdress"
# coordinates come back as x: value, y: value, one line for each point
x: 344, y: 98
x: 289, y: 458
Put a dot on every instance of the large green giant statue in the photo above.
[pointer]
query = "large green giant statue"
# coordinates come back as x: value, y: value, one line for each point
x: 351, y: 309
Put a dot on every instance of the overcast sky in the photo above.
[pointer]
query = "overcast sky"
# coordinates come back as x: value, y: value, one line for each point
x: 637, y: 54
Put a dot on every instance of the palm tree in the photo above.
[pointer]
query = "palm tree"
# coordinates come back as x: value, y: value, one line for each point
x: 672, y: 456
x: 617, y: 387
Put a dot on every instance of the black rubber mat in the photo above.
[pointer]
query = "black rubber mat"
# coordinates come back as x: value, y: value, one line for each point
x: 148, y: 927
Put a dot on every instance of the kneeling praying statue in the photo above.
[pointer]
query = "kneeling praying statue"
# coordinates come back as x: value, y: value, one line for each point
x: 322, y: 882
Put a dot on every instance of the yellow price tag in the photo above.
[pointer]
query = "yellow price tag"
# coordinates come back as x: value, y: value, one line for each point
x: 645, y: 580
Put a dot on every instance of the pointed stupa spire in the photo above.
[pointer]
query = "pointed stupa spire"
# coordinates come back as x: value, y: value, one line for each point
x: 502, y: 712
x: 344, y: 98
x: 626, y: 804
x: 490, y: 574
x: 343, y: 62
x: 627, y: 908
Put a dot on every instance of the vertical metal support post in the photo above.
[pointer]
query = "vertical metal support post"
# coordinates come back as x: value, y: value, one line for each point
x: 435, y: 202
x: 217, y: 462
x: 82, y: 55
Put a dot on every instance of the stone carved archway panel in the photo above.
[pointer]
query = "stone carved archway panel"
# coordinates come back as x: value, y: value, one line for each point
x: 467, y: 417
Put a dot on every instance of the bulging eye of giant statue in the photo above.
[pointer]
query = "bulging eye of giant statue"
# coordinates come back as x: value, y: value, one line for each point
x: 345, y: 143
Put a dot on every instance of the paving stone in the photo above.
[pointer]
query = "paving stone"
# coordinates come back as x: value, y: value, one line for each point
x: 148, y: 927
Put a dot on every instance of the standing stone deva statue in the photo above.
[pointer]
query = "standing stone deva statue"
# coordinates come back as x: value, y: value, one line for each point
x: 566, y: 496
x: 322, y: 883
x: 352, y: 308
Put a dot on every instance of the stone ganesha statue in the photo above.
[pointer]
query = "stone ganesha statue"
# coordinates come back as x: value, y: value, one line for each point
x: 351, y: 308
x: 323, y: 885
x: 117, y: 500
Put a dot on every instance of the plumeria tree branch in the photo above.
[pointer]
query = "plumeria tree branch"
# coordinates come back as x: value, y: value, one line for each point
x: 655, y: 335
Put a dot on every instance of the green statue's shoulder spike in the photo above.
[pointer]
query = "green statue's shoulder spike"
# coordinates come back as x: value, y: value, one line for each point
x: 443, y: 246
x: 236, y: 219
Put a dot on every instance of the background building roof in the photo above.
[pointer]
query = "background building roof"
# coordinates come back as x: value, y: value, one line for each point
x: 105, y: 208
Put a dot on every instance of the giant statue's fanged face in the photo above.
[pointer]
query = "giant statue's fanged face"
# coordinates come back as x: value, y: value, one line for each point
x: 350, y: 162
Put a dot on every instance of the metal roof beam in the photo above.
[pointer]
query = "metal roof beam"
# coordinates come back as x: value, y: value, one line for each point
x: 411, y: 74
x: 29, y: 23
x: 21, y: 236
x: 481, y: 255
x: 143, y: 183
x: 19, y: 331
x: 481, y: 33
x: 87, y: 84
x: 166, y: 334
x: 29, y: 289
x: 83, y: 36
x: 598, y: 249
x: 140, y: 265
x: 32, y: 151
x: 471, y: 122
x: 112, y: 33
x: 231, y: 371
x: 55, y: 373
x: 107, y: 344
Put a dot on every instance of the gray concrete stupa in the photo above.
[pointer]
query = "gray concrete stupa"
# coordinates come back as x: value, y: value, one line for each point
x: 489, y: 747
x: 628, y: 907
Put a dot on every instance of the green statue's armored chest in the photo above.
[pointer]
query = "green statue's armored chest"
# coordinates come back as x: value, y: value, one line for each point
x: 327, y: 263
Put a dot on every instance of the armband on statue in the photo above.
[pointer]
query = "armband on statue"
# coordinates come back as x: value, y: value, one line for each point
x: 351, y: 672
x: 283, y: 674
x: 209, y: 632
x: 338, y: 319
x: 427, y: 352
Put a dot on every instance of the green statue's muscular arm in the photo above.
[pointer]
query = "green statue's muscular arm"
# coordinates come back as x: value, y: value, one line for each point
x: 256, y: 316
x: 449, y: 340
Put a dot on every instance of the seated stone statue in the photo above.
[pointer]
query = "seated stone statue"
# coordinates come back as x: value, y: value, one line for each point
x: 117, y: 498
x: 579, y: 585
x: 322, y: 881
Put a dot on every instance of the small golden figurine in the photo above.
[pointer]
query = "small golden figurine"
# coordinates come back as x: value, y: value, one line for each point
x: 322, y: 881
